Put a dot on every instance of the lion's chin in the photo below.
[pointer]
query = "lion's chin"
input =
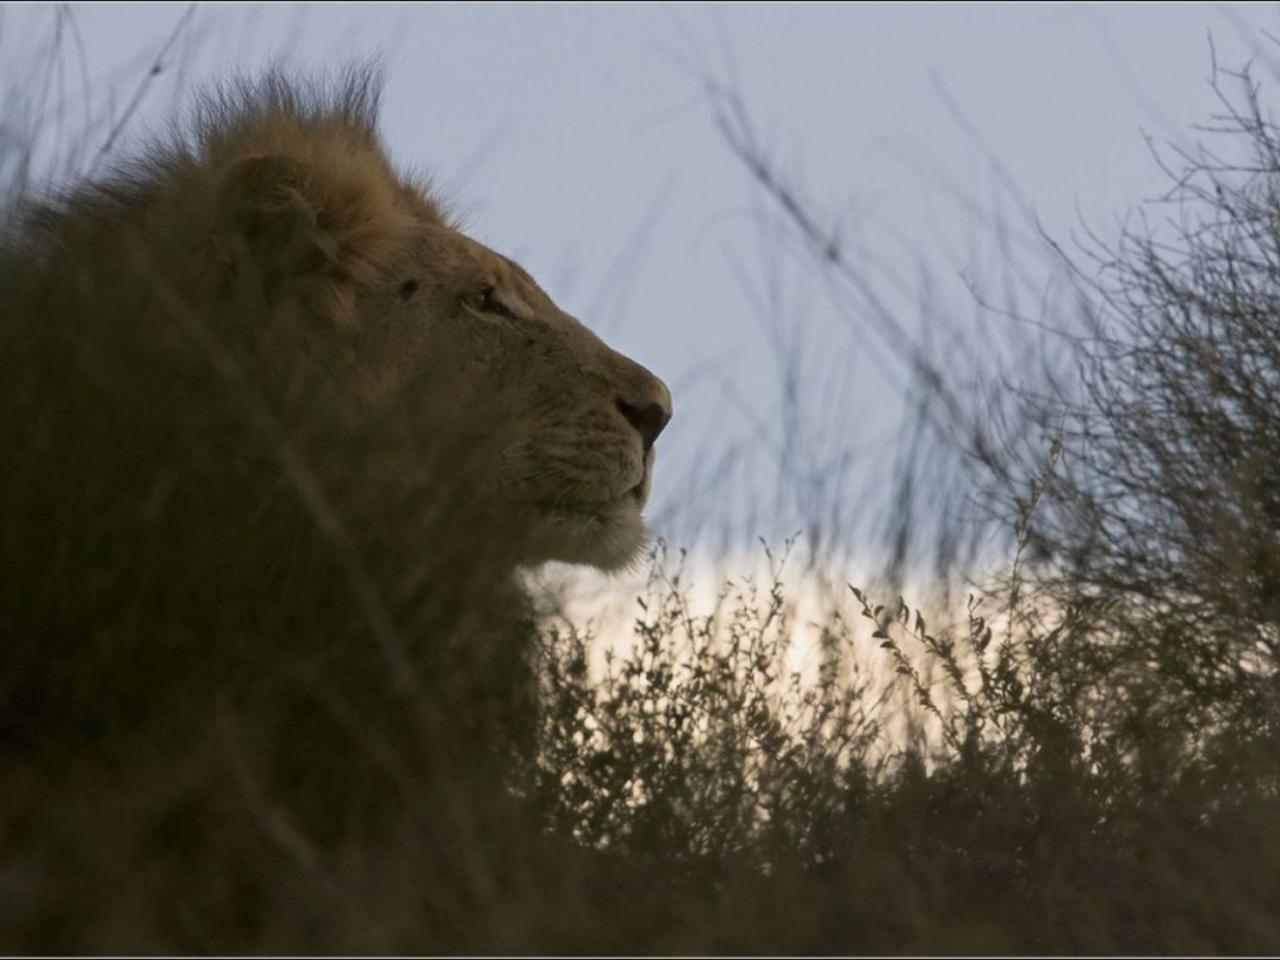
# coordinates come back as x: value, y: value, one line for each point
x: 610, y: 537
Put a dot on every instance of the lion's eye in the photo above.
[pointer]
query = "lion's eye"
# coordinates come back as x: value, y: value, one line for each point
x: 408, y: 289
x: 489, y: 302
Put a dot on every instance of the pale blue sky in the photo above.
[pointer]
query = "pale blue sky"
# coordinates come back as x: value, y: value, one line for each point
x: 578, y: 139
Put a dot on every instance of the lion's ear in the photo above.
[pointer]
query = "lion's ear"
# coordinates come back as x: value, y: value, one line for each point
x: 269, y: 216
x: 313, y: 231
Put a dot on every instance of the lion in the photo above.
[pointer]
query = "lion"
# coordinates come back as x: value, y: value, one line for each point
x: 302, y: 198
x: 276, y: 255
x: 278, y: 440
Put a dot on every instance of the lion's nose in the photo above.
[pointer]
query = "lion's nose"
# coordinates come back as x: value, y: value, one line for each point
x: 648, y: 417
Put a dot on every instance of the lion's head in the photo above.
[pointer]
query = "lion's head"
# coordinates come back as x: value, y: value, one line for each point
x: 411, y: 320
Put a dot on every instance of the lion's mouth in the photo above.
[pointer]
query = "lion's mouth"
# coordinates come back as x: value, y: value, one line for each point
x: 606, y: 532
x: 639, y: 494
x: 608, y: 507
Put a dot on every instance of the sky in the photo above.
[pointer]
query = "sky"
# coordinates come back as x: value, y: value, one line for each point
x: 581, y: 140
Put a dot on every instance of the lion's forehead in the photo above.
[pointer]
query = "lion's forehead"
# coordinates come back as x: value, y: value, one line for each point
x: 519, y: 272
x: 452, y: 251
